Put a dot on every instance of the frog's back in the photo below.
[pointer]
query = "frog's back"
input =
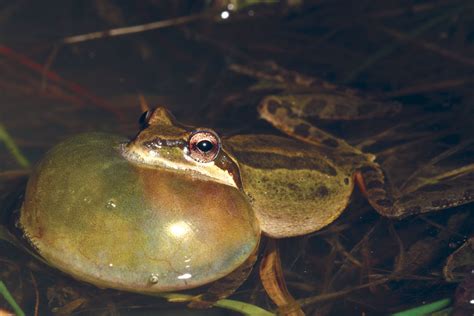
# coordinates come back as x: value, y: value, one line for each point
x: 295, y: 188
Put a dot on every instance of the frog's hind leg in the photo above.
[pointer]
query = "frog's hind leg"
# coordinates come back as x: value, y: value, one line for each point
x: 311, y: 97
x: 433, y: 195
x: 283, y: 117
x: 226, y: 286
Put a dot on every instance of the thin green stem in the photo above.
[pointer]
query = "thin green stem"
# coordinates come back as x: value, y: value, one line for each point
x: 13, y: 148
x: 426, y: 309
x: 9, y: 298
x: 236, y: 306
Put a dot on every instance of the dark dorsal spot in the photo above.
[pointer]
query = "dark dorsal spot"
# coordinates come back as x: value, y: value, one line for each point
x: 321, y: 191
x: 293, y: 187
x: 374, y: 184
x: 289, y: 109
x: 346, y: 181
x: 331, y: 142
x: 384, y: 202
x: 435, y: 187
x: 272, y: 105
x: 277, y: 161
x: 302, y: 129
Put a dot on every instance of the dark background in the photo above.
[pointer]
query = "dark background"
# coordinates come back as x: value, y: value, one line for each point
x: 417, y: 52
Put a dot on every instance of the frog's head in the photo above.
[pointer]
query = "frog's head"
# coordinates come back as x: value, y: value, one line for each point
x: 165, y: 143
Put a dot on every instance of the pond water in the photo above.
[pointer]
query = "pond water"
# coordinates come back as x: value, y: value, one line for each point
x: 417, y: 54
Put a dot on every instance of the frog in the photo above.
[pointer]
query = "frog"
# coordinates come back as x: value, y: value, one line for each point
x: 146, y: 215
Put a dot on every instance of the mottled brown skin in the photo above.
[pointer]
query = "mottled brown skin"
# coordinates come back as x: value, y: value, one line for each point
x: 290, y: 113
x: 294, y: 188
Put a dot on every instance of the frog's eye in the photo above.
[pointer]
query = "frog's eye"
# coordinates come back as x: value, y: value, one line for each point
x: 204, y: 146
x: 143, y: 120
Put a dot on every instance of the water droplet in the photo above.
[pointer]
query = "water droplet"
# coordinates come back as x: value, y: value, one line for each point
x: 153, y: 278
x: 111, y: 204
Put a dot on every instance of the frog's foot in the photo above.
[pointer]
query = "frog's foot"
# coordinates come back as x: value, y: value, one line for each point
x: 431, y: 196
x: 224, y: 287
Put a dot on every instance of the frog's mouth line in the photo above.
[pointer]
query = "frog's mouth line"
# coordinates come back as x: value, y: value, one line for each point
x: 152, y: 159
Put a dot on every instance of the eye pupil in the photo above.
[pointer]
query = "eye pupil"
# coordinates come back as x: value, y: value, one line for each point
x: 205, y: 146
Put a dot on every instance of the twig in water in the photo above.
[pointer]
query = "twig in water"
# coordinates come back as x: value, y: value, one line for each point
x: 136, y: 28
x: 54, y: 77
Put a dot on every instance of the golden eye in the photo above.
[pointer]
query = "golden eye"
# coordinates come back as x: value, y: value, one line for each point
x: 204, y: 145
